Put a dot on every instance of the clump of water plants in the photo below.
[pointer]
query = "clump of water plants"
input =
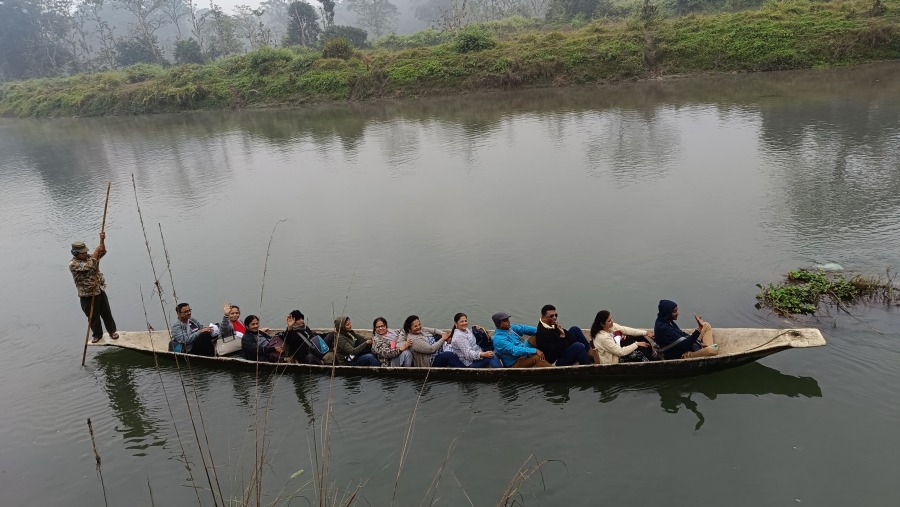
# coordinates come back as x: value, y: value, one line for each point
x: 804, y: 290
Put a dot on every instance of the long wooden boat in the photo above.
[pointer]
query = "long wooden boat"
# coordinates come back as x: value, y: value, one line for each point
x: 737, y: 346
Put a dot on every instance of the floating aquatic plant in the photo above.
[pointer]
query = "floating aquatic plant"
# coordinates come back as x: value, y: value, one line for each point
x: 804, y: 290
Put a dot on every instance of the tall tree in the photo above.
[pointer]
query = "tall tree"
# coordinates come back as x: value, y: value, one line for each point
x: 327, y: 12
x: 134, y: 49
x: 20, y: 26
x: 275, y: 17
x: 379, y: 16
x: 174, y: 10
x: 303, y: 25
x: 188, y: 51
x: 250, y: 26
x: 148, y: 15
x: 105, y: 55
x: 223, y: 40
x: 54, y: 56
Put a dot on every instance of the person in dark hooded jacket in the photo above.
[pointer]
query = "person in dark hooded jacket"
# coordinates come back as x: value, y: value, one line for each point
x: 300, y: 341
x: 675, y: 343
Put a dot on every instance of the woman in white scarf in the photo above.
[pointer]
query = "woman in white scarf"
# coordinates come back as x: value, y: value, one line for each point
x: 607, y: 337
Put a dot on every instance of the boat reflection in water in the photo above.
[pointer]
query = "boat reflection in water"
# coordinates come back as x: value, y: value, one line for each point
x: 752, y: 379
x: 138, y: 427
x: 124, y: 372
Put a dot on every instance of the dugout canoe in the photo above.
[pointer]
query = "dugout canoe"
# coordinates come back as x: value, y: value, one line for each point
x: 737, y: 346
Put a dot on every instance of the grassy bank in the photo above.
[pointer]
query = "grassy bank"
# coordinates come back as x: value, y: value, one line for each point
x: 780, y: 35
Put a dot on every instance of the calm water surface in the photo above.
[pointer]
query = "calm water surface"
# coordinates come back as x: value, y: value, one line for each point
x: 597, y: 198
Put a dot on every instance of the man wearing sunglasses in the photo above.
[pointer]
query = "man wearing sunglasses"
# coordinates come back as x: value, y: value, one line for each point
x: 561, y: 346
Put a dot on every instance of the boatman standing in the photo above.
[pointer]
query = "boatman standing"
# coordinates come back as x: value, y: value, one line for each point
x: 91, y: 286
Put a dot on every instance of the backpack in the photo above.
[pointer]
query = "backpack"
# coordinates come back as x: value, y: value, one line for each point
x: 482, y: 339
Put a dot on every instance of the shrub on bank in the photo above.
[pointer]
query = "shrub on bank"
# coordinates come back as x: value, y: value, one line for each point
x: 304, y: 60
x: 141, y: 72
x: 339, y: 47
x: 425, y: 38
x: 473, y: 38
x: 268, y: 60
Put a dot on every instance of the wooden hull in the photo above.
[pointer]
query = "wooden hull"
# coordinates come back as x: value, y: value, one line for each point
x: 737, y: 346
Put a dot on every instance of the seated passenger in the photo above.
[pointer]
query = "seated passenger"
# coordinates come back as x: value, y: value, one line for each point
x: 300, y: 340
x: 389, y: 347
x: 231, y: 323
x: 257, y: 345
x: 515, y: 352
x: 608, y: 341
x: 425, y: 348
x: 350, y: 348
x: 560, y: 347
x: 190, y: 335
x: 465, y: 346
x: 675, y: 343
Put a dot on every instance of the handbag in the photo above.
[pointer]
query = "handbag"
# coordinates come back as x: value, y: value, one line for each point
x: 639, y: 355
x: 226, y: 345
x: 175, y: 346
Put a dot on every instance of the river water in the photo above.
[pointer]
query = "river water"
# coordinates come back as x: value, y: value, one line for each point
x: 589, y: 198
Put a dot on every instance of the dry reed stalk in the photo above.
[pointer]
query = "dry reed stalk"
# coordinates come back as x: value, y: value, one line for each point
x: 168, y: 263
x: 97, y: 458
x: 841, y: 306
x: 436, y: 481
x: 322, y: 468
x: 177, y: 365
x: 522, y: 476
x: 408, y: 437
x: 152, y: 503
x: 169, y: 406
x: 266, y: 264
x: 462, y: 488
x: 87, y: 334
x: 272, y: 383
x: 212, y: 462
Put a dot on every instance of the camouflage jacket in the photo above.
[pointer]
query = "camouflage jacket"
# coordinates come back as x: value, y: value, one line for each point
x: 84, y: 273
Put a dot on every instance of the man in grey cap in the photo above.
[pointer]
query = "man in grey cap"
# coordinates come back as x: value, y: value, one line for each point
x: 91, y: 286
x: 514, y: 352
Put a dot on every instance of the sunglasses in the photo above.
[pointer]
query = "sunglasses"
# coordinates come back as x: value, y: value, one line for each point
x: 553, y: 316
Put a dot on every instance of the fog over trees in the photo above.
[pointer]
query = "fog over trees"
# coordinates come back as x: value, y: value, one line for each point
x: 62, y: 37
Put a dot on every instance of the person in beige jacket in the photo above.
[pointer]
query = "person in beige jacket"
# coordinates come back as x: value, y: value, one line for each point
x: 605, y: 340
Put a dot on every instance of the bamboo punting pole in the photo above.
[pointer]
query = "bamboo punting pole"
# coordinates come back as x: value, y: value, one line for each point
x: 87, y: 335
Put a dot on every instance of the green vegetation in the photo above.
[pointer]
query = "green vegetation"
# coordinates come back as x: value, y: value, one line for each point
x: 339, y: 47
x: 511, y: 53
x: 473, y: 38
x: 803, y: 291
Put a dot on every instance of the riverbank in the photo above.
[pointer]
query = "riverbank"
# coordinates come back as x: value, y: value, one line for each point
x: 778, y: 36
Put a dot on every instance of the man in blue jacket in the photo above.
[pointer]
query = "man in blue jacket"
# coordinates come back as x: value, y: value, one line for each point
x: 675, y: 343
x: 514, y: 352
x: 193, y: 337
